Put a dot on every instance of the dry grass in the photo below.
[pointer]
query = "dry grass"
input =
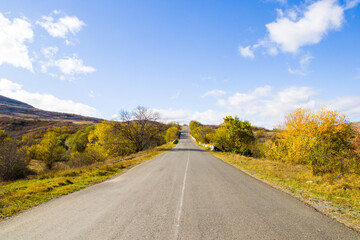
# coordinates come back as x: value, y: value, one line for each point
x: 23, y: 194
x: 336, y: 196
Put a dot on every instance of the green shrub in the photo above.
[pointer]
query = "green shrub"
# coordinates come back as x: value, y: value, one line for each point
x: 235, y: 136
x: 89, y: 156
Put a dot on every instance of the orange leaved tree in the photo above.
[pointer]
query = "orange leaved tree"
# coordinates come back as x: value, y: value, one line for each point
x: 322, y: 139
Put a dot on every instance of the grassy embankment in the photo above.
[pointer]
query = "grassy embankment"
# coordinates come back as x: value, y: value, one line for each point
x: 335, y: 196
x: 23, y: 194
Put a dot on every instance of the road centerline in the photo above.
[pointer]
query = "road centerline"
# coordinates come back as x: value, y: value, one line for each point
x: 178, y: 216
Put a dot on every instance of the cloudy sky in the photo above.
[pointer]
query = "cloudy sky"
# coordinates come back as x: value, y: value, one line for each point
x: 201, y: 60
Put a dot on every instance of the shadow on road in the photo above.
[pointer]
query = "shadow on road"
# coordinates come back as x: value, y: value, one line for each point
x: 187, y: 149
x: 182, y: 150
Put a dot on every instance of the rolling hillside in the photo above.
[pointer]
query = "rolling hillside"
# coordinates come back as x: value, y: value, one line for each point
x: 18, y: 118
x: 14, y: 103
x: 15, y: 109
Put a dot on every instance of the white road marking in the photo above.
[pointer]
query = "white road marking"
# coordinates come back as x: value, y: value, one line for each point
x: 178, y: 217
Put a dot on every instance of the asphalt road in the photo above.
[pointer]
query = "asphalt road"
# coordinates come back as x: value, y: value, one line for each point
x: 185, y: 193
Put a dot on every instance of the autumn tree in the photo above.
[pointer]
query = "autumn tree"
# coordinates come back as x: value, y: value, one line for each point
x: 107, y: 139
x: 79, y: 141
x: 195, y: 128
x: 50, y: 149
x: 171, y: 134
x: 12, y: 165
x: 322, y: 139
x: 141, y: 128
x: 234, y: 135
x: 200, y: 132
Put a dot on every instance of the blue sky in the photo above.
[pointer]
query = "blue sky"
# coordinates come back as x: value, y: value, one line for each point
x: 188, y: 60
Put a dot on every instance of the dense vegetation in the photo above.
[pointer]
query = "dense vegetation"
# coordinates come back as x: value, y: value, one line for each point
x: 323, y: 140
x: 235, y: 136
x: 12, y: 165
x: 232, y: 135
x: 72, y: 147
x: 202, y: 133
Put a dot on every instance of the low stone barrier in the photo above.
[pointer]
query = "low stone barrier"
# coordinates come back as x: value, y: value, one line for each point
x: 211, y: 147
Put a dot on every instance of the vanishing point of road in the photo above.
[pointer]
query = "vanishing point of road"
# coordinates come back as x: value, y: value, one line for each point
x: 185, y: 193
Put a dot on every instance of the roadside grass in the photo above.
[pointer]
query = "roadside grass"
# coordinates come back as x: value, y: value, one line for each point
x: 335, y: 196
x: 24, y: 194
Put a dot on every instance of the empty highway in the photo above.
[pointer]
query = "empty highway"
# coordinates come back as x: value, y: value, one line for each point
x: 185, y: 193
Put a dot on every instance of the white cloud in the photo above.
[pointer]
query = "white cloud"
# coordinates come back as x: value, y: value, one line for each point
x: 44, y: 101
x: 263, y: 101
x: 269, y: 109
x: 351, y: 3
x: 185, y: 116
x: 13, y: 38
x: 73, y: 65
x: 292, y: 15
x: 265, y: 107
x: 318, y: 18
x: 295, y: 97
x: 69, y: 43
x: 239, y: 99
x: 68, y: 65
x: 115, y: 117
x: 299, y: 27
x: 208, y: 117
x: 262, y: 91
x: 62, y: 26
x: 350, y: 105
x: 171, y: 115
x: 214, y: 93
x: 7, y: 85
x: 304, y: 65
x: 246, y: 52
x: 49, y: 52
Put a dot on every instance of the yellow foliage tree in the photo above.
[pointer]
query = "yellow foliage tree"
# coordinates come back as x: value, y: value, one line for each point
x: 234, y: 135
x: 50, y: 149
x: 171, y: 134
x: 107, y: 140
x: 322, y: 139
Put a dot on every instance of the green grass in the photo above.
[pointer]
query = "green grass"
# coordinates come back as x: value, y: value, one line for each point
x: 338, y: 197
x: 23, y: 194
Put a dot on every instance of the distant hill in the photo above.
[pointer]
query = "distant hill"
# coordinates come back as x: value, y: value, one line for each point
x: 18, y: 127
x: 14, y: 103
x: 12, y: 108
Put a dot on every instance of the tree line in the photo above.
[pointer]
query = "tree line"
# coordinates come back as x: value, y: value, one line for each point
x: 324, y: 140
x: 136, y: 131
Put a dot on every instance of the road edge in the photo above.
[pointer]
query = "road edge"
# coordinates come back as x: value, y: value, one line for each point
x: 321, y: 209
x: 161, y: 154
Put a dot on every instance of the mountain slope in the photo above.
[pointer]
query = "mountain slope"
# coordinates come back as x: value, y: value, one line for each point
x: 16, y: 109
x: 14, y: 103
